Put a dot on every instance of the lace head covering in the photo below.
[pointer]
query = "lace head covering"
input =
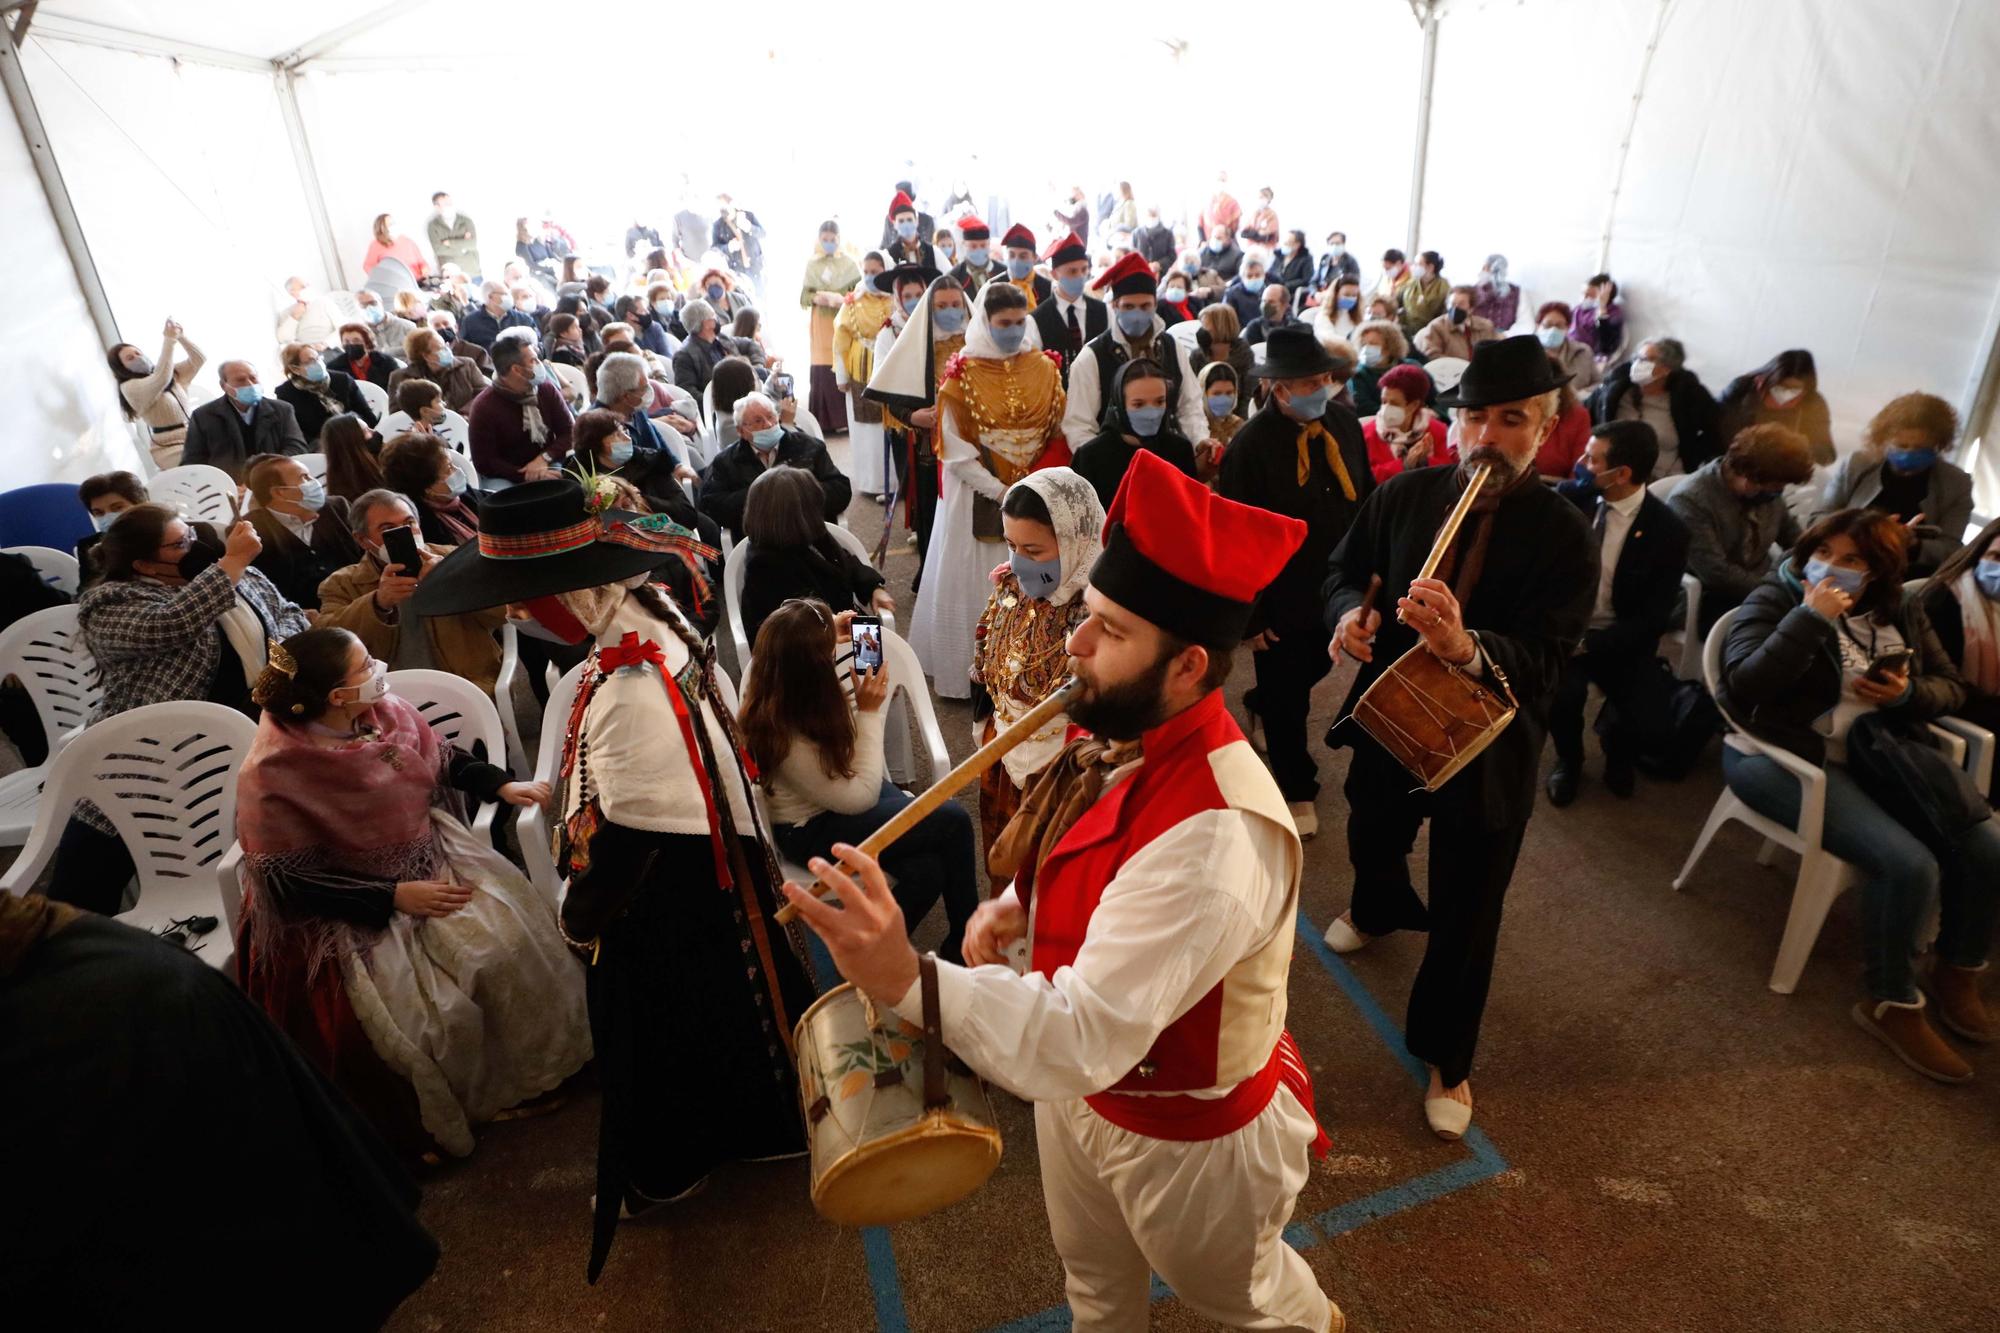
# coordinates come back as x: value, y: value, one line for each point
x: 1078, y: 518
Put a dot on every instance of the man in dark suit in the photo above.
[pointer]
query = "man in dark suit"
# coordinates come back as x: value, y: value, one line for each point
x: 762, y: 445
x: 1069, y: 317
x: 1507, y: 607
x: 304, y: 531
x: 979, y: 266
x: 243, y: 422
x: 922, y: 225
x: 1642, y: 551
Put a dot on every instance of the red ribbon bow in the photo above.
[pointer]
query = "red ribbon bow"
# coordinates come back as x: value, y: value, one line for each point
x: 629, y: 651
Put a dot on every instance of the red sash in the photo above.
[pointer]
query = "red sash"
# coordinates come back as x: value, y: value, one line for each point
x: 1185, y: 1119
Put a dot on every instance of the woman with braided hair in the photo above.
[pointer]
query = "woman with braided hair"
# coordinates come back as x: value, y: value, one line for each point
x: 693, y: 987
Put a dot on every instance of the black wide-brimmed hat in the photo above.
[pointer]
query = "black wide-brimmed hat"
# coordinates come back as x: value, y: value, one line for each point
x: 1293, y: 354
x: 1505, y: 371
x: 541, y: 538
x: 893, y: 278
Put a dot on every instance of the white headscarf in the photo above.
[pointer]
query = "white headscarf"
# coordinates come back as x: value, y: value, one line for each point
x: 979, y: 334
x: 1077, y: 516
x: 904, y: 378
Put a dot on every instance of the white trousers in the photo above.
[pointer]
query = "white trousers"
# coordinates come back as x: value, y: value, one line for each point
x: 866, y: 465
x: 1209, y: 1217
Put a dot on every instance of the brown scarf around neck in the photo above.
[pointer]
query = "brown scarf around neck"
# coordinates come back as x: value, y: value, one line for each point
x: 1475, y: 535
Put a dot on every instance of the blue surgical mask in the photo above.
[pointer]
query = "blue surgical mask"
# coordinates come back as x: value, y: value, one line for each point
x: 314, y: 372
x: 829, y: 246
x: 715, y: 291
x: 767, y: 438
x: 621, y: 453
x: 949, y: 319
x: 907, y: 230
x: 1135, y: 323
x: 1038, y: 578
x: 1018, y: 269
x: 1552, y: 336
x: 455, y: 483
x: 1221, y: 404
x: 1371, y: 355
x: 1912, y: 460
x: 1848, y: 581
x: 977, y: 256
x: 1146, y: 420
x: 910, y: 304
x: 1310, y: 406
x: 1190, y: 265
x: 1345, y: 303
x: 374, y: 314
x: 446, y: 357
x: 312, y: 495
x: 1008, y: 337
x: 1986, y: 574
x: 248, y: 395
x: 103, y: 522
x: 1174, y: 295
x: 542, y: 375
x: 1253, y: 285
x: 1071, y: 287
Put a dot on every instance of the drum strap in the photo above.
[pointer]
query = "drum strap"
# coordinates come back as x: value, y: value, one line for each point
x: 936, y: 1094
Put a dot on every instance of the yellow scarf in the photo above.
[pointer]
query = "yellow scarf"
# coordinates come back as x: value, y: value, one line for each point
x: 1318, y: 428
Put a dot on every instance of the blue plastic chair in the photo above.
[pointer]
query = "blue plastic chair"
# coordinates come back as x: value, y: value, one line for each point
x: 45, y: 515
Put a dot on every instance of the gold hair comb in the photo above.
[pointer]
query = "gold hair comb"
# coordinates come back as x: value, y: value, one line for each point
x: 282, y: 661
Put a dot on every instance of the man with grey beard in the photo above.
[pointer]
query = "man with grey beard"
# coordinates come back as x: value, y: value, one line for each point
x: 1512, y: 597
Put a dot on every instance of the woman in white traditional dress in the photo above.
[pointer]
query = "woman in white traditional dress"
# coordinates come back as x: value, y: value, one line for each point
x: 855, y: 330
x: 412, y: 964
x: 1000, y: 407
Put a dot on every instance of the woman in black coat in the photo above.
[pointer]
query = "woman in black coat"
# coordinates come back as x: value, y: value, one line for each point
x: 1827, y: 641
x: 1141, y: 419
x: 1698, y: 432
x: 789, y: 553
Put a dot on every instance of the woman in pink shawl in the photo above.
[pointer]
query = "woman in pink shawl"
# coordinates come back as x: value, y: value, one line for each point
x: 410, y: 962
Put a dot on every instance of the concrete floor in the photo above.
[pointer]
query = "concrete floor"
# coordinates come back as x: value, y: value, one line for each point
x: 1664, y: 1143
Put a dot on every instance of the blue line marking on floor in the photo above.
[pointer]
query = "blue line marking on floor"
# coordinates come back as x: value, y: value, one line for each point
x: 1483, y: 1163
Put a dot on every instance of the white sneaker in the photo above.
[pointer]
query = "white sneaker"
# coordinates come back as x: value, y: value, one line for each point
x: 1342, y: 937
x: 1306, y: 818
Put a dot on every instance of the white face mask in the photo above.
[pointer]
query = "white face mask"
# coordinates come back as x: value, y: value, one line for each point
x: 374, y: 689
x: 1643, y: 371
x: 1393, y: 416
x: 1786, y: 397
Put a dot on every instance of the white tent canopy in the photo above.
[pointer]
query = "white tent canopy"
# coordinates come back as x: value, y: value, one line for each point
x: 1757, y: 176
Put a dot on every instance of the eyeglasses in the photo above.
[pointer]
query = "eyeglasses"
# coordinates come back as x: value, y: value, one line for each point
x: 183, y: 545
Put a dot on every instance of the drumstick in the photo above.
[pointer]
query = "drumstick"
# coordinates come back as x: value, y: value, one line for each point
x: 1451, y: 525
x: 948, y: 786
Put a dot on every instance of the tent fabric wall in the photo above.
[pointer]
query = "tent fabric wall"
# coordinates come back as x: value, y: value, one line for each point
x: 184, y: 179
x: 56, y: 393
x: 1799, y: 175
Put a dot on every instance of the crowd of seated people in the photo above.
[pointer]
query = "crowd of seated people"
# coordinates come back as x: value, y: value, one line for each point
x: 293, y: 611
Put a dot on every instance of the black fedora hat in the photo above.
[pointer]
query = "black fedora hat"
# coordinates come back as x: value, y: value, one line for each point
x: 1291, y: 354
x: 540, y: 538
x: 1505, y: 371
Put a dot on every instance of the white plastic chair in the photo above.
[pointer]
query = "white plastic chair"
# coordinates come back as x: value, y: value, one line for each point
x: 57, y: 568
x: 503, y: 696
x: 314, y: 464
x: 197, y: 491
x: 165, y: 776
x: 1822, y: 875
x: 375, y: 396
x: 459, y: 712
x: 575, y: 386
x: 463, y: 467
x: 451, y: 430
x: 45, y: 651
x: 533, y: 825
x: 906, y: 677
x: 734, y: 557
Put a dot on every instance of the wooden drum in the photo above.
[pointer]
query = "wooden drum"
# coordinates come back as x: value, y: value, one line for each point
x: 1433, y: 717
x: 899, y: 1126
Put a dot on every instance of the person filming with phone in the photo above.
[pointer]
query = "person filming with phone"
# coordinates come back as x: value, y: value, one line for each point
x: 367, y: 598
x: 1828, y: 660
x: 812, y: 715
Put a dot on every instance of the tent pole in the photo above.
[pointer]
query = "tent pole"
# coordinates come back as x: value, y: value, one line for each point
x: 302, y: 156
x: 29, y: 117
x: 1427, y: 15
x: 1981, y: 420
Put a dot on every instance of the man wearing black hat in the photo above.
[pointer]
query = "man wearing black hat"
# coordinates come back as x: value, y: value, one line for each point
x: 1511, y: 598
x: 670, y: 869
x: 1069, y: 317
x: 1302, y: 455
x: 1136, y: 330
